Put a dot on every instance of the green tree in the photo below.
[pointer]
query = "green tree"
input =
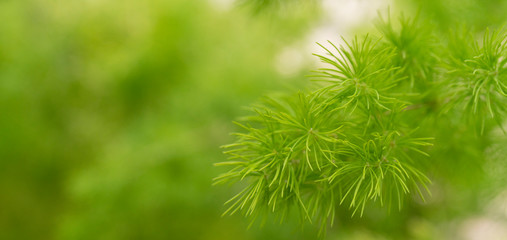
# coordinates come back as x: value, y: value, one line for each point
x: 379, y: 125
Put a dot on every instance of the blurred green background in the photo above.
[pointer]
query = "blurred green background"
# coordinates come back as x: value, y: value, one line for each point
x: 112, y: 112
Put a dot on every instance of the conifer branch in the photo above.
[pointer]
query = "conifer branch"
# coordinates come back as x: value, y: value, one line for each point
x: 354, y: 141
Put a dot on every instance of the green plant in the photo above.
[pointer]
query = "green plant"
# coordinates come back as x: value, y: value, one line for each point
x: 363, y: 132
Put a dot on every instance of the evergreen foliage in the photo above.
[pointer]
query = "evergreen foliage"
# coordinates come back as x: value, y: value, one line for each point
x: 354, y: 137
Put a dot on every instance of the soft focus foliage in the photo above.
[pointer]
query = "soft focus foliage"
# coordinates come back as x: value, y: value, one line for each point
x: 344, y: 142
x: 113, y: 112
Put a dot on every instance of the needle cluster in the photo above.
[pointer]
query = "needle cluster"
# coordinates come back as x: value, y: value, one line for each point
x: 477, y: 76
x: 354, y: 139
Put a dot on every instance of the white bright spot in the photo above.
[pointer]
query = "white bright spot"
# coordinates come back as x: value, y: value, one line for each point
x: 289, y: 61
x: 222, y: 5
x: 341, y: 17
x: 484, y: 228
x: 322, y: 35
x: 351, y: 13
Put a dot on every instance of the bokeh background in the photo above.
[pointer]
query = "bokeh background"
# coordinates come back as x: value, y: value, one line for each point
x: 112, y: 114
